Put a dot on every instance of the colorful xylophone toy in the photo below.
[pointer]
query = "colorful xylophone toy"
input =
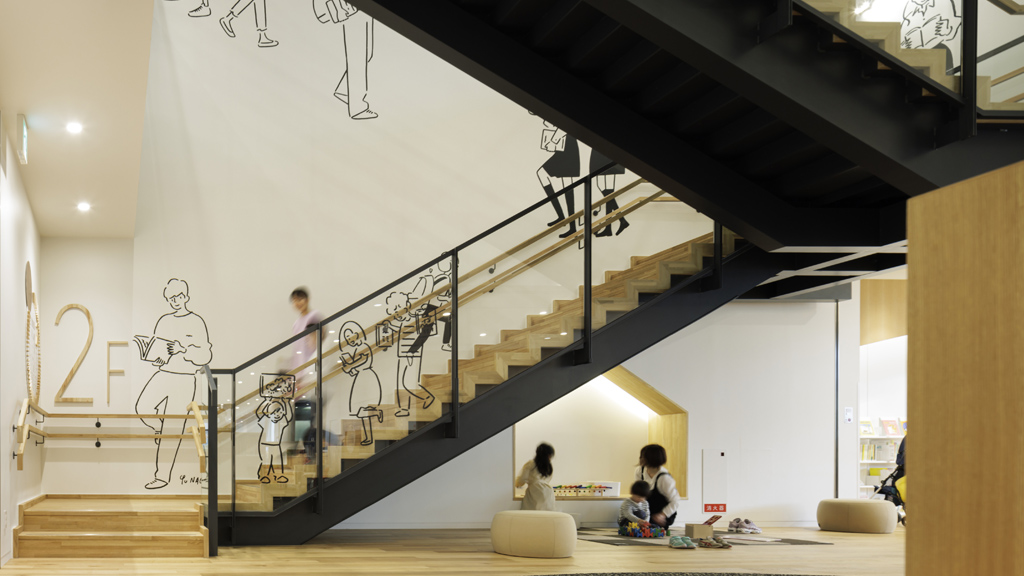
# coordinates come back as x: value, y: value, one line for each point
x: 637, y: 531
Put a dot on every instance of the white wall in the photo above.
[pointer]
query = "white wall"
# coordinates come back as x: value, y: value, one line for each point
x: 883, y: 380
x: 19, y: 243
x: 758, y: 380
x: 594, y: 436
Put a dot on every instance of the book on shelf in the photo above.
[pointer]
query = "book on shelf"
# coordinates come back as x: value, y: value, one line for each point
x: 891, y: 428
x: 903, y: 426
x: 866, y: 429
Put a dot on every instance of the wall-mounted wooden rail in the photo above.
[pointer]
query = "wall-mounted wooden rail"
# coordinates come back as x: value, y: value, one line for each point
x: 24, y: 430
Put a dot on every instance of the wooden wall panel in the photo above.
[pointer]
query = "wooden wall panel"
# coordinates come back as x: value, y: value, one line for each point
x: 966, y: 377
x: 883, y: 310
x: 671, y: 431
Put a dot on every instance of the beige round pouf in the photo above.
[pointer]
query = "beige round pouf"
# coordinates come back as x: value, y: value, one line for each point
x: 533, y: 534
x: 855, y: 515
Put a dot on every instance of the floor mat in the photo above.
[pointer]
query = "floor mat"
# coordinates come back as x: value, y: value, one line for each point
x: 611, y: 537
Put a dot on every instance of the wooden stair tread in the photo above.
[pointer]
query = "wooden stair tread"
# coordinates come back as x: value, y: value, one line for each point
x: 41, y: 534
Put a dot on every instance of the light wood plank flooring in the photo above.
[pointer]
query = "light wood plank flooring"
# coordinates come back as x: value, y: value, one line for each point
x: 415, y: 552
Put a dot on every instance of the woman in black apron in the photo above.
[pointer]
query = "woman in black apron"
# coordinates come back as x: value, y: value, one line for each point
x: 664, y: 499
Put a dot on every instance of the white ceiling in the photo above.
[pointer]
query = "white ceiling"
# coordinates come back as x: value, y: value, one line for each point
x: 87, y: 61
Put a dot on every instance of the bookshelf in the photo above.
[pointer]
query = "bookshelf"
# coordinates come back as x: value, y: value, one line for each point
x: 877, y: 456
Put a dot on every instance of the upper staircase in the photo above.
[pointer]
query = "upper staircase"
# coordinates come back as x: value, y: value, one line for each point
x: 809, y: 136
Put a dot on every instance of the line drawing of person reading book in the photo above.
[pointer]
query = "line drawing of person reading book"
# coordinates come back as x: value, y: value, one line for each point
x: 932, y: 24
x: 179, y: 348
x: 274, y: 414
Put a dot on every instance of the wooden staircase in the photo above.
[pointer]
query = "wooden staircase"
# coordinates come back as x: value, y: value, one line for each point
x: 888, y: 36
x: 491, y: 365
x: 67, y: 526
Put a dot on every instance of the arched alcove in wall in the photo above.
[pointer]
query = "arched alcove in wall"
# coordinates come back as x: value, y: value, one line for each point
x: 597, y: 432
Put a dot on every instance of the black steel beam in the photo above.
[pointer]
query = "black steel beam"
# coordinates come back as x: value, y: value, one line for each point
x: 643, y: 145
x: 788, y: 77
x: 500, y: 408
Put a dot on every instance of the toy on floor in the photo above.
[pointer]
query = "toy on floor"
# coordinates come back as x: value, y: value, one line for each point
x: 637, y: 531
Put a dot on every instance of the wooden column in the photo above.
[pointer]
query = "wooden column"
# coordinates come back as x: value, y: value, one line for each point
x: 965, y: 368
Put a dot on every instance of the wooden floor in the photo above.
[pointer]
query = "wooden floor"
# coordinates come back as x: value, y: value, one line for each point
x: 414, y: 552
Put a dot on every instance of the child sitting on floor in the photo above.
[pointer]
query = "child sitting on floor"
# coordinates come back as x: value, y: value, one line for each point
x: 635, y: 508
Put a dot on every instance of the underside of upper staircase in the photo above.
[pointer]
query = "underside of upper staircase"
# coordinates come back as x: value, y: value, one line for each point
x: 530, y: 367
x: 804, y: 138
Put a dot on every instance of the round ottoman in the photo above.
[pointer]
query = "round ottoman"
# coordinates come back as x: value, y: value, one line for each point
x: 855, y: 515
x: 533, y: 534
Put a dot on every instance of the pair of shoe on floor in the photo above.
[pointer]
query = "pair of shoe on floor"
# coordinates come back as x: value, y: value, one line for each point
x: 686, y: 543
x: 743, y: 527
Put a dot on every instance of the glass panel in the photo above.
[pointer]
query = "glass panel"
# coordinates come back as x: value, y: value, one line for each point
x: 645, y: 241
x: 519, y: 295
x: 924, y: 34
x: 220, y: 416
x: 271, y: 466
x: 1001, y: 55
x: 385, y: 368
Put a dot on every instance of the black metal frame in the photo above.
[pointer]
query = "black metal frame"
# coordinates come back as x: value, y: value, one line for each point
x: 450, y: 422
x: 528, y: 391
x: 212, y: 454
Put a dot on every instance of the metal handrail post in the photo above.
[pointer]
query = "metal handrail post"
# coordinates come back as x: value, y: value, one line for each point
x: 453, y: 323
x: 319, y: 419
x: 585, y: 355
x: 234, y: 454
x: 212, y: 504
x: 969, y: 70
x: 718, y: 255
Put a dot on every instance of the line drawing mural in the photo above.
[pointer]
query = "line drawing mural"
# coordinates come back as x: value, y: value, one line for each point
x: 274, y: 414
x: 606, y: 184
x: 408, y: 330
x: 259, y: 7
x: 357, y: 361
x: 201, y: 11
x: 357, y: 40
x: 932, y: 24
x: 179, y: 348
x: 563, y: 165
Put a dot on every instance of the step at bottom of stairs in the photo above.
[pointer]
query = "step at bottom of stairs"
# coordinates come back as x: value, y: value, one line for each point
x: 117, y: 544
x: 94, y: 526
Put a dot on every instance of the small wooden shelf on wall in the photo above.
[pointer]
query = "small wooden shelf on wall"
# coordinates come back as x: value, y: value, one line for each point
x: 583, y: 498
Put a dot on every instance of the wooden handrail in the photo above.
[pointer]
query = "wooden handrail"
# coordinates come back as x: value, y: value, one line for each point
x: 22, y: 433
x: 1008, y: 76
x: 76, y: 436
x: 485, y: 287
x: 98, y: 416
x: 194, y: 408
x: 199, y: 448
x: 1014, y: 99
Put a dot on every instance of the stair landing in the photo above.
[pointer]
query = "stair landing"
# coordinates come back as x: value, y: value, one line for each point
x: 70, y: 526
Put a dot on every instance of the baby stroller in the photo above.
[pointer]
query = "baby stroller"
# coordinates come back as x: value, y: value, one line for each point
x: 894, y: 487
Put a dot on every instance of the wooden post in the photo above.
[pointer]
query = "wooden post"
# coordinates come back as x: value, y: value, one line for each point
x: 965, y: 460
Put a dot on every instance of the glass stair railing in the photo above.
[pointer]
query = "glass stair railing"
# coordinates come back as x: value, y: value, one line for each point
x: 323, y: 403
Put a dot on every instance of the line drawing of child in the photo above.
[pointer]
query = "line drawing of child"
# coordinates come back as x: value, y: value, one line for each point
x: 274, y: 415
x: 357, y: 361
x: 411, y: 330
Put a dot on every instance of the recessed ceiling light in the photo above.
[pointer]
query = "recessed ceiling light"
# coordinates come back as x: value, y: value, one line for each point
x: 483, y: 334
x: 84, y: 206
x: 74, y: 127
